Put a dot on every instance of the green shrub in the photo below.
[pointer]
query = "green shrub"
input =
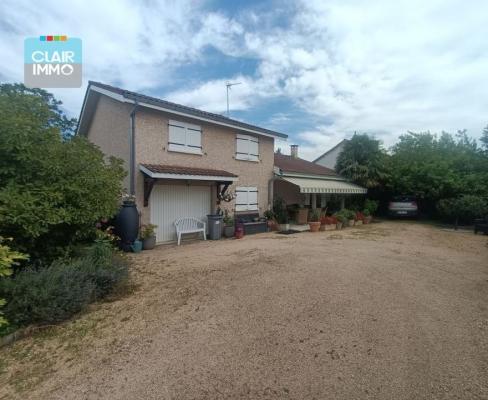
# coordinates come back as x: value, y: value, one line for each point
x: 314, y: 216
x: 370, y: 207
x: 46, y: 296
x: 8, y: 258
x: 464, y: 208
x: 104, y: 267
x: 347, y: 214
x: 53, y: 294
x: 52, y: 191
x: 279, y: 210
x: 339, y: 215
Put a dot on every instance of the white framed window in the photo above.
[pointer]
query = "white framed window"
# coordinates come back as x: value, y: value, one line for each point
x: 184, y: 137
x: 246, y: 198
x: 247, y: 148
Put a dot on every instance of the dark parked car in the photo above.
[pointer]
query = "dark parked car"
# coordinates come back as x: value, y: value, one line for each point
x: 403, y: 206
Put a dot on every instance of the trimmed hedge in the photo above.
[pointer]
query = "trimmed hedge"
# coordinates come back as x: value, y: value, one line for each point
x: 53, y: 294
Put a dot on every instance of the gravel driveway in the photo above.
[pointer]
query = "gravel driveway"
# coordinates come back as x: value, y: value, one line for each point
x: 393, y: 310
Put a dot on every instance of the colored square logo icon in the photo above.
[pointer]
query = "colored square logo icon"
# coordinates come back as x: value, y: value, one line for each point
x: 53, y: 61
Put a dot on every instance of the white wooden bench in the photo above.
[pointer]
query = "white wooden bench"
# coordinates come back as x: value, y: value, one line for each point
x: 189, y: 225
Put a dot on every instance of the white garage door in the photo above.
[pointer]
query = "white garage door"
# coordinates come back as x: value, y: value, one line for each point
x: 170, y: 202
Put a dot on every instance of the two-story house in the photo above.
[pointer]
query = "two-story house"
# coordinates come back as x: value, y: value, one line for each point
x: 180, y: 160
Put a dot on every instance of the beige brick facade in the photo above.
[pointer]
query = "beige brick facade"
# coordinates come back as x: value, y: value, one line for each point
x: 110, y: 131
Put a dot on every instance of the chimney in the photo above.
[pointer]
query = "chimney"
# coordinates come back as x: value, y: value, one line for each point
x: 294, y: 150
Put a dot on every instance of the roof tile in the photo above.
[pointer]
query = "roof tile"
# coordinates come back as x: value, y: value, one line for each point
x: 184, y: 109
x: 179, y: 170
x: 301, y: 166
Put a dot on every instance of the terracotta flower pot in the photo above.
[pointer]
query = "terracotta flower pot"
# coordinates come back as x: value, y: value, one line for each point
x: 368, y: 219
x: 322, y: 227
x: 314, y: 226
x: 272, y: 225
x: 358, y: 222
x: 339, y: 225
x: 350, y: 222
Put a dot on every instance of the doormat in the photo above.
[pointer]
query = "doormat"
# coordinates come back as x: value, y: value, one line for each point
x: 288, y: 232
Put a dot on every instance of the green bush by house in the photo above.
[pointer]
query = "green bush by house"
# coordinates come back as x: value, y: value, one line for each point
x: 52, y: 294
x: 52, y: 189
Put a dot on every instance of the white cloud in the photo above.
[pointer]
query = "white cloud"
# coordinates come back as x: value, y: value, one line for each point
x: 137, y: 45
x: 212, y: 96
x: 380, y: 66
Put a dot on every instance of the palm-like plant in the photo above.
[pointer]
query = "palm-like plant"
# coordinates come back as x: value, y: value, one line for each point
x: 363, y: 161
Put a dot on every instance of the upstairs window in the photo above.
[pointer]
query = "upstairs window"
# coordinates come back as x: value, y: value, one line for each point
x: 246, y: 198
x: 247, y: 148
x: 184, y: 137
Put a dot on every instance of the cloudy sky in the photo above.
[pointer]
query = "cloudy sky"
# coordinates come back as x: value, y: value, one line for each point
x: 316, y: 70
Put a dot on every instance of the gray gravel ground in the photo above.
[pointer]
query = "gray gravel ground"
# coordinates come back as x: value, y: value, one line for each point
x: 393, y: 310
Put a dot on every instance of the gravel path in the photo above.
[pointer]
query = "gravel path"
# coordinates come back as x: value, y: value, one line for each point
x: 393, y: 310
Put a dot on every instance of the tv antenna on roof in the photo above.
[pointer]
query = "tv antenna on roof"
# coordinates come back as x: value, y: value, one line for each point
x: 229, y: 85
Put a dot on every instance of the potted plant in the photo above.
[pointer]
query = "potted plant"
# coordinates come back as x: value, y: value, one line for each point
x: 281, y: 215
x: 314, y: 221
x: 340, y: 218
x: 148, y: 236
x: 323, y: 221
x: 228, y: 225
x: 331, y: 223
x: 370, y: 207
x: 350, y: 217
x: 328, y: 223
x: 270, y: 217
x: 359, y: 218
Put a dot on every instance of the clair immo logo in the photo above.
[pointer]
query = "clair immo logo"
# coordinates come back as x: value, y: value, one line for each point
x: 52, y: 61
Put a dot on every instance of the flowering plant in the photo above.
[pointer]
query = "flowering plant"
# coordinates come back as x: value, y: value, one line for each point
x: 128, y: 198
x: 147, y: 231
x: 227, y: 196
x: 359, y: 216
x: 106, y: 235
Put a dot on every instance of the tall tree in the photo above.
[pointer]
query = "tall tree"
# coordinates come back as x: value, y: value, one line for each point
x: 363, y: 161
x: 56, y: 117
x: 52, y: 191
x: 484, y: 139
x: 434, y: 168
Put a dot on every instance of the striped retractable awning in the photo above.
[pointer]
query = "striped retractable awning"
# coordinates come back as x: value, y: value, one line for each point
x: 308, y: 185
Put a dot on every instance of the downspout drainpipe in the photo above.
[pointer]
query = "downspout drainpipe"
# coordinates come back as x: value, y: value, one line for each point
x: 132, y: 150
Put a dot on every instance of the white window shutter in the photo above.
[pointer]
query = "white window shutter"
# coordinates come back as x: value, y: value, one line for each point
x: 242, y: 147
x: 252, y: 198
x: 177, y: 135
x: 246, y: 198
x: 194, y: 138
x: 247, y: 147
x: 184, y: 137
x: 241, y: 199
x: 253, y: 149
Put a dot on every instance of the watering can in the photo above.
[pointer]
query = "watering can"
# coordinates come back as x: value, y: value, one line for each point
x: 136, y: 246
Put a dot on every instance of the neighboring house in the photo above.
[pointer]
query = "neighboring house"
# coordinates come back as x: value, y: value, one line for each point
x: 329, y: 158
x: 302, y: 182
x: 180, y: 160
